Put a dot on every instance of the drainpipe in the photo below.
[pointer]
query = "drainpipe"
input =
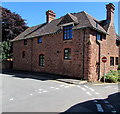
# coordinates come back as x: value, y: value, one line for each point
x: 31, y: 52
x: 99, y: 60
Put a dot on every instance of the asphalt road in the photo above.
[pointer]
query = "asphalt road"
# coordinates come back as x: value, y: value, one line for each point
x: 23, y: 94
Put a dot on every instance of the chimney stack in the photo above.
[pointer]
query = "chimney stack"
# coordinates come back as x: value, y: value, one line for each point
x: 110, y: 12
x: 50, y: 15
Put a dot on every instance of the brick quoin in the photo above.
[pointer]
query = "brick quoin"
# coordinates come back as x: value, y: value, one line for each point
x: 86, y: 52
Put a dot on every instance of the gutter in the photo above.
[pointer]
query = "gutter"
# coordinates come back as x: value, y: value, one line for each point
x: 56, y: 32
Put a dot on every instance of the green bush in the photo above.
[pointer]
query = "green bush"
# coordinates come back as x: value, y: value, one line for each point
x: 112, y: 76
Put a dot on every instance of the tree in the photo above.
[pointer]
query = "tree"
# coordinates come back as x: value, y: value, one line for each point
x: 12, y: 24
x: 5, y: 50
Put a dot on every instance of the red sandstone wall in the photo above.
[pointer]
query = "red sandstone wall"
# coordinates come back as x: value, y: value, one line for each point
x: 53, y: 48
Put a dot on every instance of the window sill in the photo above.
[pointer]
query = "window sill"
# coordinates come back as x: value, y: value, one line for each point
x: 67, y: 39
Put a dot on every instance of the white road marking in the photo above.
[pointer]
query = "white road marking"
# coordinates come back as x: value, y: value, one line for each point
x: 40, y: 89
x: 109, y: 106
x: 11, y: 99
x: 83, y: 89
x: 99, y: 108
x: 95, y: 101
x: 66, y: 86
x: 61, y: 85
x: 86, y: 86
x: 106, y: 102
x: 96, y: 93
x: 107, y: 86
x: 31, y: 94
x: 89, y: 88
x: 52, y: 87
x: 113, y: 111
x: 89, y: 93
x: 44, y: 91
x: 39, y: 92
x: 57, y: 88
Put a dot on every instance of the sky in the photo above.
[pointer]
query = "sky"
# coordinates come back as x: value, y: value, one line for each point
x: 34, y: 12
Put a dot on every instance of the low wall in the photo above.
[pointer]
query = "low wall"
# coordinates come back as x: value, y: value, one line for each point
x: 6, y: 65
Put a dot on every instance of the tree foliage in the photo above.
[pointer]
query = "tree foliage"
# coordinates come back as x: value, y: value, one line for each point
x: 12, y: 24
x: 5, y: 50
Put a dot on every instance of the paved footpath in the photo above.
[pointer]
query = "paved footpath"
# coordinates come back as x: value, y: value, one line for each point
x: 20, y: 93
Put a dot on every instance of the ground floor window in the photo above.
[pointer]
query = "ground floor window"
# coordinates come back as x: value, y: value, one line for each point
x: 111, y: 61
x: 67, y: 53
x: 23, y: 54
x: 116, y: 61
x: 41, y: 60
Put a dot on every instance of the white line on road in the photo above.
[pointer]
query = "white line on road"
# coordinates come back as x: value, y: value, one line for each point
x: 110, y: 106
x: 89, y: 88
x: 40, y: 89
x: 11, y: 99
x: 52, y: 87
x: 95, y: 101
x: 96, y: 93
x: 99, y: 108
x: 44, y: 91
x: 89, y: 93
x: 61, y: 85
x: 83, y: 89
x: 86, y: 86
x: 107, y: 86
x: 56, y: 88
x: 66, y: 86
x: 106, y: 102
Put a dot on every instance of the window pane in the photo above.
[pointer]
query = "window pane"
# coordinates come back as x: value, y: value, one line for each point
x: 98, y: 36
x: 67, y: 31
x: 41, y: 60
x: 116, y: 62
x: 67, y: 53
x: 40, y: 40
x: 25, y: 42
x: 23, y: 54
x: 111, y: 61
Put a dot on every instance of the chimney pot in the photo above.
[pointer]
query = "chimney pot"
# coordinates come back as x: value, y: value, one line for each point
x: 50, y: 15
x: 110, y: 11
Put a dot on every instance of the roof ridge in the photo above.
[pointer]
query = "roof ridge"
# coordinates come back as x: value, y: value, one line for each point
x: 87, y: 17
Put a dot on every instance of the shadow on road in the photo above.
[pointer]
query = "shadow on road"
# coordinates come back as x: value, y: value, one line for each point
x: 35, y: 75
x: 90, y: 106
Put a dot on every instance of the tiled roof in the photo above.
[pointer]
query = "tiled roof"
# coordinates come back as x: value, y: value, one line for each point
x: 82, y: 19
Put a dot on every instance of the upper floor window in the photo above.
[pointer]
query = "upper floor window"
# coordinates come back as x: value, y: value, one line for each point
x: 25, y: 41
x: 23, y: 54
x: 67, y: 53
x: 111, y: 61
x: 116, y: 61
x: 67, y: 32
x: 40, y: 40
x: 98, y: 36
x: 41, y: 60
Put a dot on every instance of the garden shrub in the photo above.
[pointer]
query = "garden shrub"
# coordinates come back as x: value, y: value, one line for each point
x: 112, y: 76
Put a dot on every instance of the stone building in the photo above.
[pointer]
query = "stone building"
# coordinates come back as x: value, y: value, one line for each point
x: 71, y: 45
